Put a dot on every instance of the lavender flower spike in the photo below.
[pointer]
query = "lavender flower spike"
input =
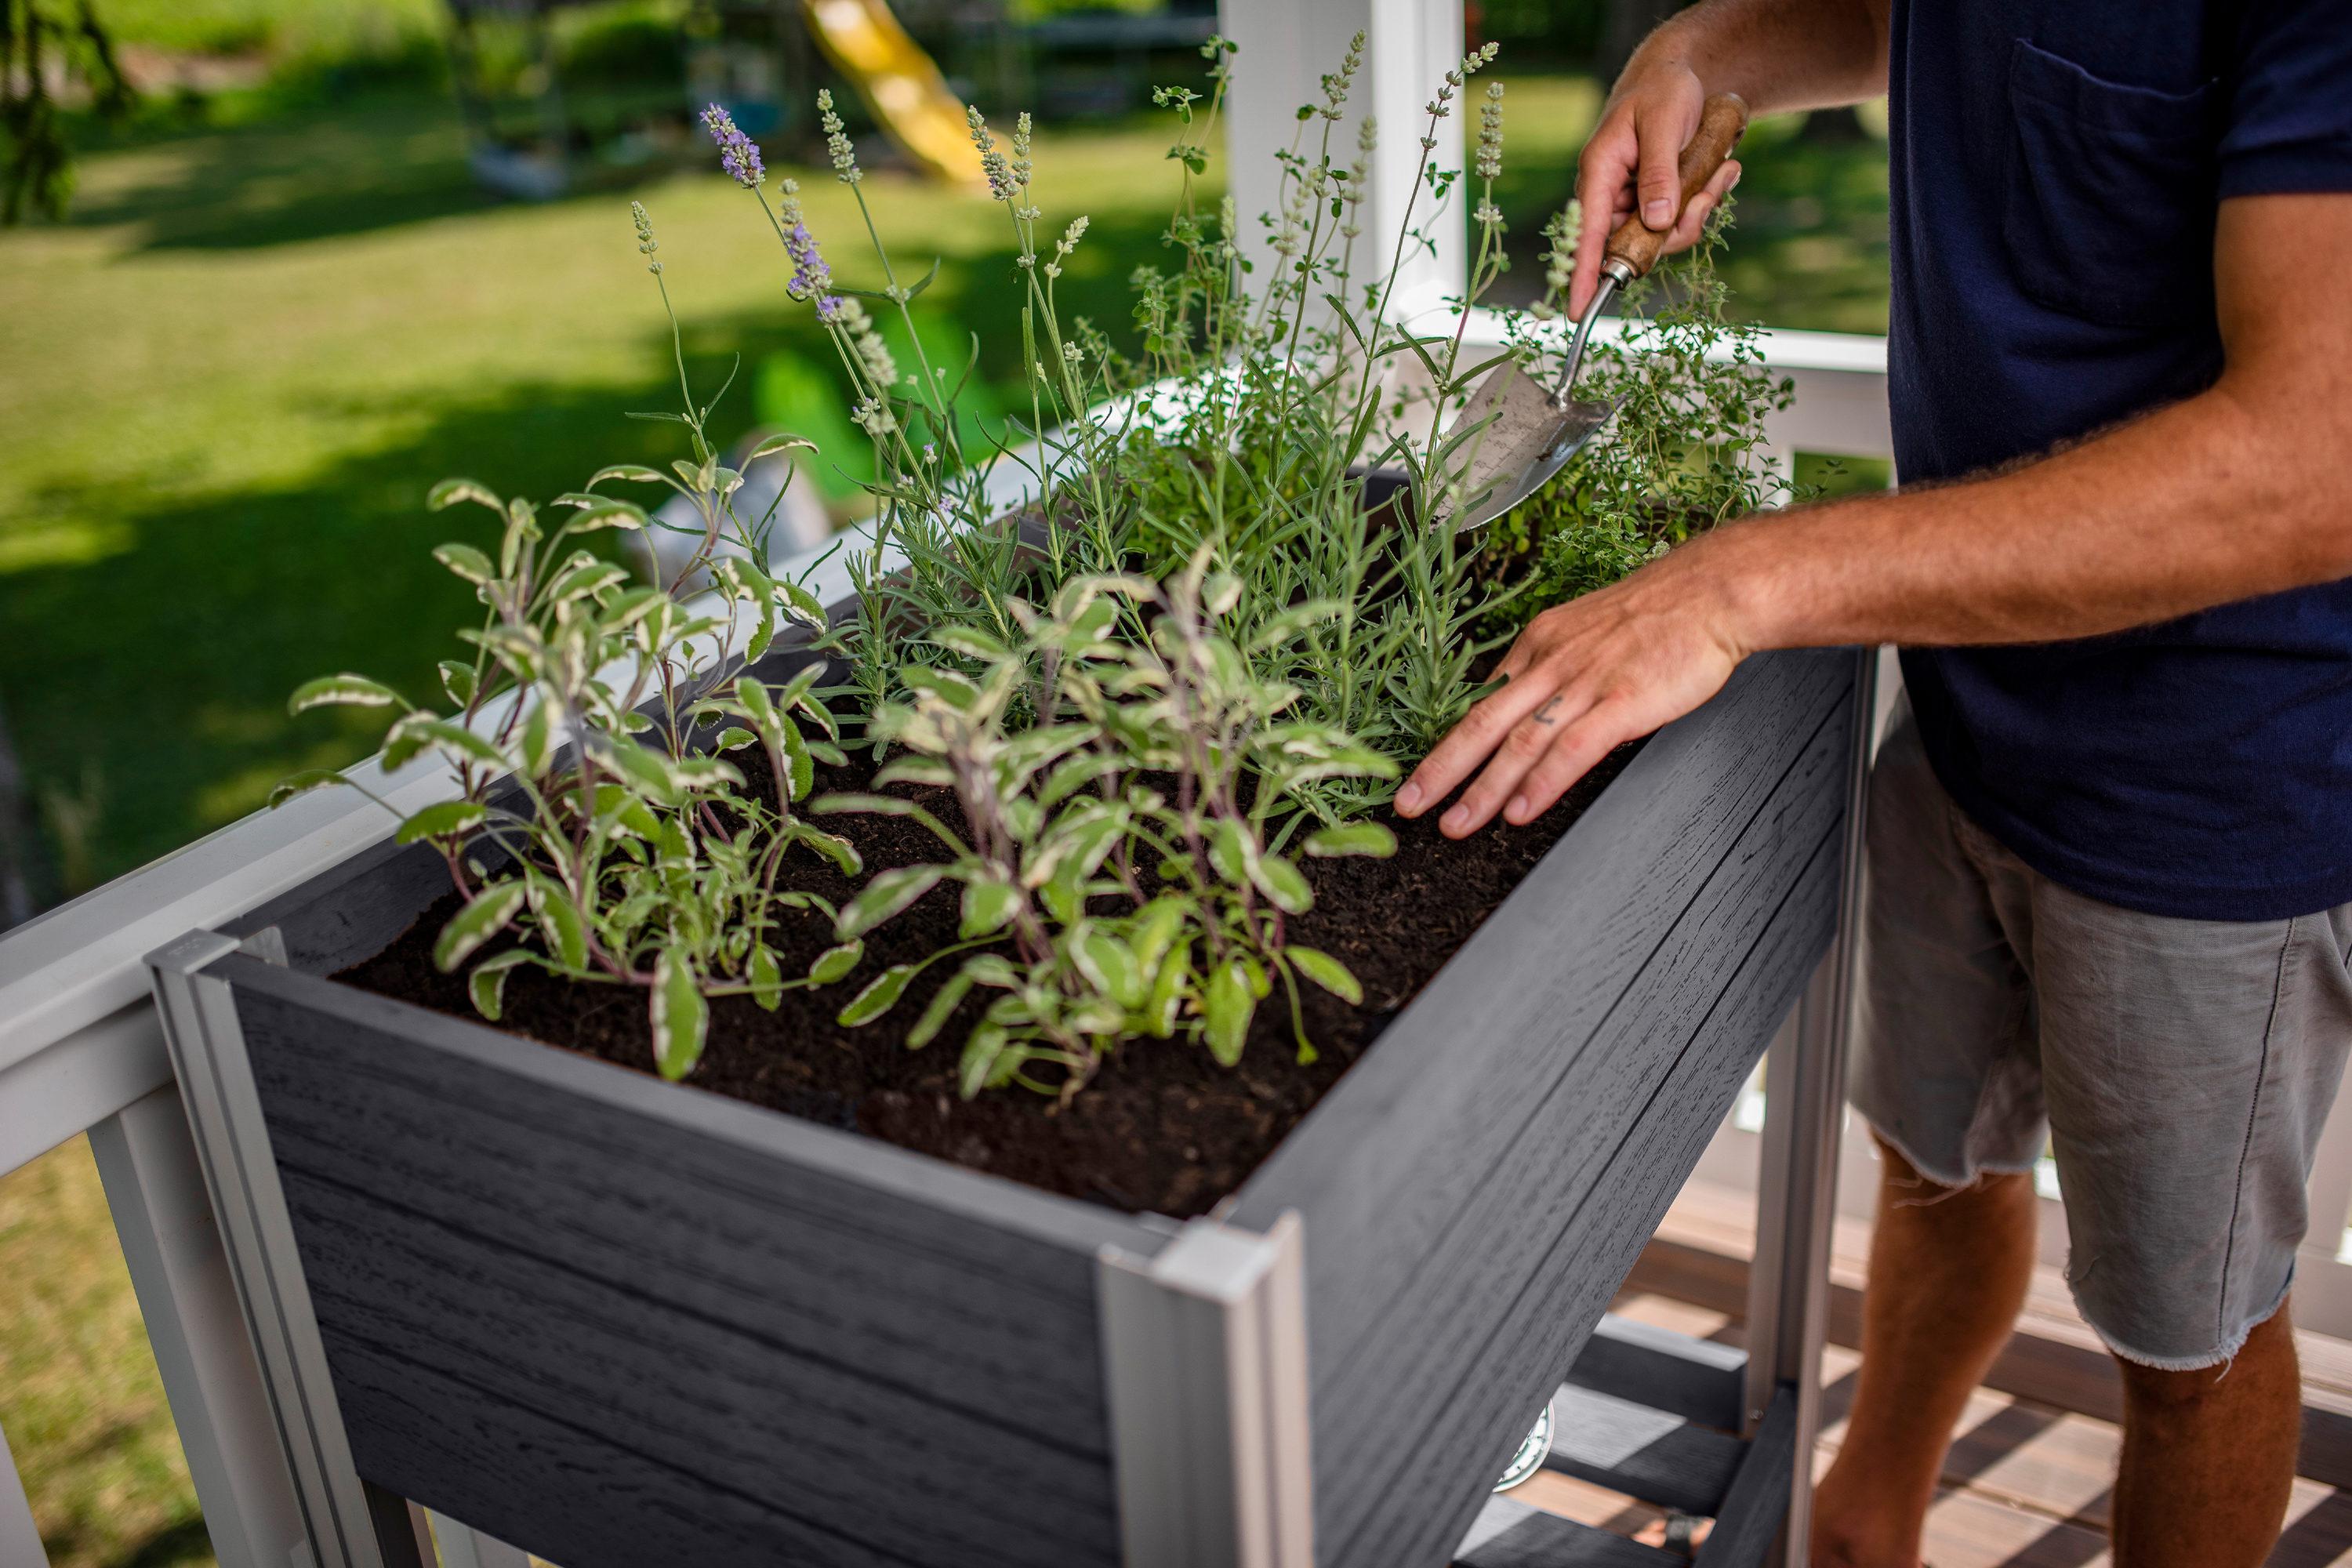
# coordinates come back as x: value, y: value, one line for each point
x: 737, y: 153
x: 811, y: 273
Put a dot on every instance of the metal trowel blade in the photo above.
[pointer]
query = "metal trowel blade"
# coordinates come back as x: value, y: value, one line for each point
x: 1529, y: 439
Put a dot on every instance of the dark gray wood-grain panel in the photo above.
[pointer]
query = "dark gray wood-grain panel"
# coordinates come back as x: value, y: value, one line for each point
x: 1471, y: 1432
x: 1510, y: 1534
x: 655, y: 1288
x: 1493, y: 1167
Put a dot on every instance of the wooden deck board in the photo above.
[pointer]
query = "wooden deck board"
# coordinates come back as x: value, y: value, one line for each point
x: 2027, y: 1485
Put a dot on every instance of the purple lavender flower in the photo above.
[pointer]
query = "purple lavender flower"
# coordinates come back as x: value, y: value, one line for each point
x: 828, y: 308
x: 810, y: 271
x: 737, y: 153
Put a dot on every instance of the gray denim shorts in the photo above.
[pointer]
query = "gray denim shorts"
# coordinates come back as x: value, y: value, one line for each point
x: 2181, y: 1069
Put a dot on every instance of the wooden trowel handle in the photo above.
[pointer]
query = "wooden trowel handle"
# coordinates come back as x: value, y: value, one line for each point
x: 1724, y: 116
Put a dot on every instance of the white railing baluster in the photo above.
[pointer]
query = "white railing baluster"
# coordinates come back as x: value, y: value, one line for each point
x: 462, y: 1546
x: 156, y: 1190
x: 20, y: 1538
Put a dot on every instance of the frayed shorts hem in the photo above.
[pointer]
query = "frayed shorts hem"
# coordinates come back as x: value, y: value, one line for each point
x: 2227, y: 1352
x: 1926, y: 1168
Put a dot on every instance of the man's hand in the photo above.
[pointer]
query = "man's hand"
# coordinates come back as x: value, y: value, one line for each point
x: 1776, y: 53
x: 2235, y: 492
x: 1584, y: 678
x: 1649, y: 119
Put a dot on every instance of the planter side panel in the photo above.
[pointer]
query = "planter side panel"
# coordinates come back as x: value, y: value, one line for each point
x: 1475, y: 1191
x: 600, y: 1331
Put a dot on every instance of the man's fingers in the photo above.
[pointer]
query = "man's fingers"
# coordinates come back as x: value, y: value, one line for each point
x: 1702, y: 206
x: 1523, y: 749
x: 1599, y: 732
x: 1663, y: 130
x: 1604, y: 179
x: 1467, y: 744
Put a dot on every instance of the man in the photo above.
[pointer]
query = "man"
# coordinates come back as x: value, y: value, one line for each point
x: 2110, y: 848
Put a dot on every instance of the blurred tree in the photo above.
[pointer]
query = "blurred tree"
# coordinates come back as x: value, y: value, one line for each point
x: 47, y: 52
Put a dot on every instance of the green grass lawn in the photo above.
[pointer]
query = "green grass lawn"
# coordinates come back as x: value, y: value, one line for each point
x: 225, y: 387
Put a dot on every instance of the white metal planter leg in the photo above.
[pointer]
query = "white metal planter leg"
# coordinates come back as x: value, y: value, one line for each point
x: 1804, y: 1100
x: 345, y: 1523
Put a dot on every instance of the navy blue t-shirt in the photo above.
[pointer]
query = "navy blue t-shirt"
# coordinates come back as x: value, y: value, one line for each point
x: 2057, y: 168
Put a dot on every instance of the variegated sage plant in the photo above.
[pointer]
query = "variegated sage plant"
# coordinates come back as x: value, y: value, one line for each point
x: 592, y: 727
x: 1119, y: 878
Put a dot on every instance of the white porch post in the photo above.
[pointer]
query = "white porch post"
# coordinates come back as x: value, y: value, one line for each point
x: 1285, y: 49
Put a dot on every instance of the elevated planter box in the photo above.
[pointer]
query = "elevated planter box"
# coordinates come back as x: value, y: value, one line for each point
x: 618, y: 1321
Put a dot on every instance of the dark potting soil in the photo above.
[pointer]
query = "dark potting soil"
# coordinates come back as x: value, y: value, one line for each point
x: 1161, y: 1128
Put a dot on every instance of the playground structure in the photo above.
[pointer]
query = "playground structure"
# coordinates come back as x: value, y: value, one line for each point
x: 760, y: 61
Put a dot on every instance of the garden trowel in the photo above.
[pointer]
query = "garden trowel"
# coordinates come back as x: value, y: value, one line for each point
x: 1534, y: 431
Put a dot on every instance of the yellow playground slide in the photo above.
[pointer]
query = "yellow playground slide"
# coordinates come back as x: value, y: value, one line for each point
x: 897, y: 81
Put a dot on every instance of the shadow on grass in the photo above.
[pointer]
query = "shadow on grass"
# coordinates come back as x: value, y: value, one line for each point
x: 389, y: 158
x: 183, y: 1541
x: 162, y: 667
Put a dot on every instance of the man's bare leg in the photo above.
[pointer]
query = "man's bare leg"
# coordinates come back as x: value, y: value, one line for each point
x: 2209, y: 1457
x: 1948, y: 1267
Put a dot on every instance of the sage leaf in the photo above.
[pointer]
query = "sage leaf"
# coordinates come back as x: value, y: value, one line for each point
x: 1110, y: 966
x: 450, y: 492
x: 942, y: 1006
x: 1283, y: 883
x: 834, y: 962
x: 562, y: 923
x: 1226, y: 1007
x: 458, y: 680
x: 484, y: 916
x: 681, y: 1016
x: 442, y: 819
x: 983, y: 1056
x: 1371, y: 838
x: 1326, y: 972
x: 881, y: 994
x: 348, y: 690
x: 302, y: 783
x: 468, y: 563
x: 888, y: 894
x: 988, y: 904
x: 487, y: 984
x: 767, y: 977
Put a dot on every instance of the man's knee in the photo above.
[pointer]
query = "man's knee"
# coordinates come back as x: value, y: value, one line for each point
x: 1908, y: 1187
x: 2167, y: 1392
x: 2265, y: 1363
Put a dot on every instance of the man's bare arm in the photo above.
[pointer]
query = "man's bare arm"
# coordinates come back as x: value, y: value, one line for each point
x: 2241, y: 491
x: 1776, y: 53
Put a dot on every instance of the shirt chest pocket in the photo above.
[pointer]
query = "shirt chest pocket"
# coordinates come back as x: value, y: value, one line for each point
x: 2109, y: 211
